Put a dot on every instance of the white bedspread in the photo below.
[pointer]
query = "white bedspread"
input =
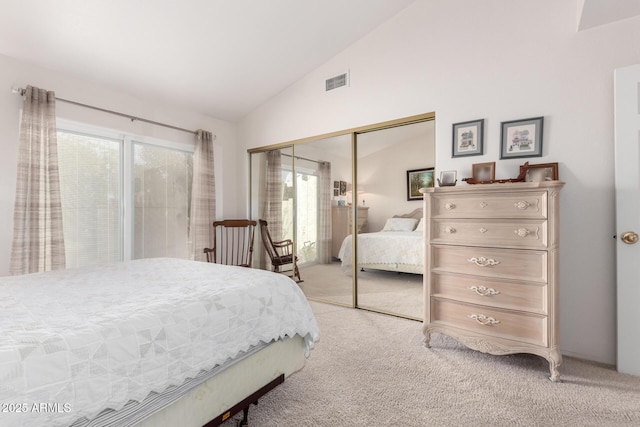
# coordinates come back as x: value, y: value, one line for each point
x: 77, y: 341
x: 385, y: 247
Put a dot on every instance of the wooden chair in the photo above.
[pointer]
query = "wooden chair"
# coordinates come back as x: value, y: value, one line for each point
x: 279, y: 253
x: 232, y: 242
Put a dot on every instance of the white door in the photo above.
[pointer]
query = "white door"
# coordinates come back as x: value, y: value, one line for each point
x: 627, y: 181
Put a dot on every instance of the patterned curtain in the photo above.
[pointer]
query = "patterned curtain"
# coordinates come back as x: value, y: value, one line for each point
x: 38, y: 238
x: 271, y: 201
x: 324, y: 207
x: 203, y: 197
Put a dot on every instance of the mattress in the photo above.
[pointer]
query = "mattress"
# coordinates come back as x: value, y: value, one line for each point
x: 76, y: 342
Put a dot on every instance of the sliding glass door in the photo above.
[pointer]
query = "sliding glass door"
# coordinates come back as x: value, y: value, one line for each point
x: 122, y: 199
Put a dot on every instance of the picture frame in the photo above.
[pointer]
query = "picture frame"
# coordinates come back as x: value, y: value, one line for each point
x: 343, y: 188
x: 417, y: 179
x: 484, y: 172
x: 336, y: 192
x: 521, y: 138
x: 468, y: 138
x: 336, y: 184
x: 540, y: 172
x: 448, y: 178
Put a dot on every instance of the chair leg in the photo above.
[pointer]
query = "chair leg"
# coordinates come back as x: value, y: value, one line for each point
x: 297, y: 273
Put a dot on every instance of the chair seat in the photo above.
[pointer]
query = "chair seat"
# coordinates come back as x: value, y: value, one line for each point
x: 282, y: 260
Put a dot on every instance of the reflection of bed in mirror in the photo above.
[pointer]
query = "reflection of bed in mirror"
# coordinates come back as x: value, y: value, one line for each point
x: 399, y: 246
x: 151, y: 342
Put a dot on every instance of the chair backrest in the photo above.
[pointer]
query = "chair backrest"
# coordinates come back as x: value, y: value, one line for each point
x: 267, y: 240
x: 232, y: 242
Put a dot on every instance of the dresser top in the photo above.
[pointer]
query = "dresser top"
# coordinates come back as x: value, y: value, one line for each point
x: 495, y: 187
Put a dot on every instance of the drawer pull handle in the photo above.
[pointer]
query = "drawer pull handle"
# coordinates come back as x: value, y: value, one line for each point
x: 484, y: 291
x: 483, y: 320
x: 522, y: 232
x: 449, y: 206
x: 483, y: 262
x: 449, y: 230
x: 522, y: 205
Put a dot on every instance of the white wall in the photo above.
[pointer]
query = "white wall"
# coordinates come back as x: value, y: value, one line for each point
x: 18, y: 74
x: 499, y: 60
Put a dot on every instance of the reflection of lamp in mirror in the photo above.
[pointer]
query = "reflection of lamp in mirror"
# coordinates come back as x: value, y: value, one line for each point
x: 359, y: 195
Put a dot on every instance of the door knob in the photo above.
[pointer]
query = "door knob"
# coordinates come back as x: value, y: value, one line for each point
x: 629, y: 237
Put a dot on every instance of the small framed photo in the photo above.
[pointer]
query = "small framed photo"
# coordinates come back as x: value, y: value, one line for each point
x: 336, y: 192
x: 540, y: 172
x: 417, y: 179
x: 468, y: 138
x: 521, y: 138
x: 336, y: 184
x: 447, y: 178
x: 484, y: 172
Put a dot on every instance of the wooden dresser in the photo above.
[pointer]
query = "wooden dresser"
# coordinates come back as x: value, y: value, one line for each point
x: 492, y: 277
x: 342, y: 222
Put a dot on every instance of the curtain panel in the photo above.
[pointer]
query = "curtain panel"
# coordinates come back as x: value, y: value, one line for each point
x: 203, y: 197
x: 324, y: 214
x: 38, y: 238
x: 271, y: 201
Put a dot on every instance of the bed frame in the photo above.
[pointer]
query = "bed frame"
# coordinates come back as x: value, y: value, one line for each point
x: 234, y: 389
x: 400, y: 268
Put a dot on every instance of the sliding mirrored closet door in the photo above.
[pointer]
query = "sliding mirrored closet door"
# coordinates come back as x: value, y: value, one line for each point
x: 272, y: 201
x: 329, y: 193
x: 390, y: 243
x: 323, y: 169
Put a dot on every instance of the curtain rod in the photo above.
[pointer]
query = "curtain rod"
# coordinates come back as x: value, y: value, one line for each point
x: 301, y: 158
x: 22, y: 91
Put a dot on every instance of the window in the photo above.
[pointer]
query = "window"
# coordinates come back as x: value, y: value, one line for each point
x: 122, y: 198
x: 307, y: 196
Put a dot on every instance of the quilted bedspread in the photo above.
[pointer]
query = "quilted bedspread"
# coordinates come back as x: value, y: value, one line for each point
x: 385, y: 247
x: 74, y: 342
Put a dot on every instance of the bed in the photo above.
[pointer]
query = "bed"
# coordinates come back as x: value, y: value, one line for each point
x: 153, y: 342
x: 399, y: 246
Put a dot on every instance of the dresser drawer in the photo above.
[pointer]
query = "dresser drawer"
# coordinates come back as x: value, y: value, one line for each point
x: 496, y: 293
x: 500, y: 205
x: 529, y: 328
x: 521, y: 265
x: 521, y: 233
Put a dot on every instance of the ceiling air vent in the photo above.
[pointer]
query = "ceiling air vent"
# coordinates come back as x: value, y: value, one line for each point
x: 337, y: 81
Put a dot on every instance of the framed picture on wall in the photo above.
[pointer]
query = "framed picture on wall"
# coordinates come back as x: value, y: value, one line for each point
x: 521, y: 138
x: 417, y: 179
x: 468, y: 138
x: 343, y: 188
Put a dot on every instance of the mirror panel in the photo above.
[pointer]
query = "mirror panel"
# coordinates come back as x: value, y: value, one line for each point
x: 390, y: 248
x: 272, y: 201
x: 318, y: 164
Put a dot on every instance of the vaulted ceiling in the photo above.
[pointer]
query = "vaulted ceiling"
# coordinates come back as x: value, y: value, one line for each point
x: 220, y: 57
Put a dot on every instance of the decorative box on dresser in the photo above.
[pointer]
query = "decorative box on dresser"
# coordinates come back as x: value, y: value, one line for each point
x: 492, y: 277
x: 342, y: 222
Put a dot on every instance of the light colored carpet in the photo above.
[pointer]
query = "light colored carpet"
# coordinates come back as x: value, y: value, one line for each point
x: 386, y: 291
x: 371, y: 369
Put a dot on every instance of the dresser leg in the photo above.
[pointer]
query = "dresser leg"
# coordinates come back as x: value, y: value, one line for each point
x: 427, y: 339
x: 553, y: 369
